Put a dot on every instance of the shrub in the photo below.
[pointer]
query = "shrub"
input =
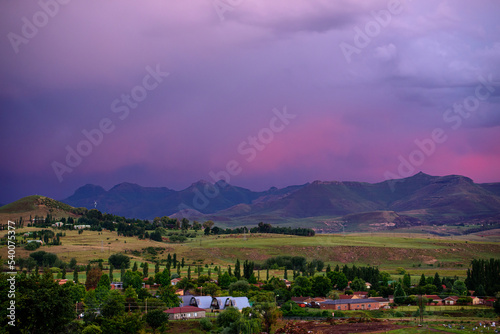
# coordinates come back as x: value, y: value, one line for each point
x: 31, y: 246
x: 206, y: 324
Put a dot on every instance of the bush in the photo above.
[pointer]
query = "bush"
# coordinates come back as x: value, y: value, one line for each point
x: 31, y: 246
x: 92, y: 329
x: 119, y: 261
x: 206, y: 324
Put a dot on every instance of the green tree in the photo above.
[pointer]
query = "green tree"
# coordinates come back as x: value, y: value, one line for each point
x: 76, y: 291
x: 132, y: 278
x: 240, y: 286
x: 145, y: 270
x: 42, y: 306
x: 169, y: 297
x: 104, y: 282
x: 157, y: 267
x: 422, y: 281
x: 134, y: 268
x: 211, y: 289
x: 92, y: 329
x: 119, y: 261
x: 164, y: 278
x: 459, y: 288
x: 399, y: 294
x: 114, y: 305
x: 407, y: 280
x: 75, y: 275
x: 224, y: 280
x: 480, y: 292
x: 358, y: 284
x: 111, y: 267
x: 302, y: 286
x: 270, y: 314
x: 124, y: 324
x: 338, y: 279
x: 156, y: 318
x: 237, y: 270
x: 321, y: 285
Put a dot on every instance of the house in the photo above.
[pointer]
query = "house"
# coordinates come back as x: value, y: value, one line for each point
x: 350, y: 304
x: 360, y: 294
x: 57, y: 224
x: 203, y: 302
x: 117, y: 286
x: 315, y: 302
x: 345, y: 296
x: 451, y: 300
x: 383, y: 302
x: 288, y: 284
x: 175, y: 281
x: 301, y: 301
x: 185, y: 312
x: 220, y: 303
x: 477, y: 301
x: 38, y: 241
x: 239, y: 302
x: 185, y: 299
x: 434, y: 300
x: 81, y: 227
x: 61, y: 281
x: 179, y: 292
x: 368, y: 285
x: 489, y: 302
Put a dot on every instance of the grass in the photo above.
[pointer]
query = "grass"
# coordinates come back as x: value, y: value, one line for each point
x: 416, y: 253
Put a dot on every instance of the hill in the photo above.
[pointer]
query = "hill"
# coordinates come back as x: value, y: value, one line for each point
x: 36, y: 205
x: 416, y: 200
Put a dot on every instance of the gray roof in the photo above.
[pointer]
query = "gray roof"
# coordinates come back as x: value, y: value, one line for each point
x: 221, y: 301
x: 240, y: 302
x: 202, y: 301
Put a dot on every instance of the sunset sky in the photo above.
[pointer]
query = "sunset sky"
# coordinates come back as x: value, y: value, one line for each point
x: 263, y: 92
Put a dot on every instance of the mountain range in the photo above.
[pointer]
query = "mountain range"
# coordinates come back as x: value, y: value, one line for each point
x: 419, y: 199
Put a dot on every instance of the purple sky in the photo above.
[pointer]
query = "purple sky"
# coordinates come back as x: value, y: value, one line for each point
x: 360, y: 81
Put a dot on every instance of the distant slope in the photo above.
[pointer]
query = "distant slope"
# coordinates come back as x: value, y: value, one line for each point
x: 37, y: 206
x: 418, y: 199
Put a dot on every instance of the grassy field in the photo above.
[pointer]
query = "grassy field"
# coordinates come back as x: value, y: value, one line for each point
x: 416, y: 253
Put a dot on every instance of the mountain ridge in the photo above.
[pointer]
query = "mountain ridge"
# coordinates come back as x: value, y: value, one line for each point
x: 422, y: 198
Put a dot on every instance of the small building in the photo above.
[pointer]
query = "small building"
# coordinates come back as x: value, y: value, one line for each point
x: 57, y: 224
x: 239, y: 302
x: 477, y: 301
x: 203, y: 302
x: 61, y: 281
x: 220, y: 303
x: 360, y: 294
x: 383, y: 302
x: 81, y: 227
x: 345, y: 296
x: 350, y: 304
x: 37, y: 241
x: 301, y: 301
x: 434, y: 300
x: 116, y: 285
x: 175, y: 281
x: 489, y: 301
x: 451, y: 300
x: 185, y: 312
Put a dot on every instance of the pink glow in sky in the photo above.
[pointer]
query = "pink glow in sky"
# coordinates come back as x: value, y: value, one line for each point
x: 360, y: 100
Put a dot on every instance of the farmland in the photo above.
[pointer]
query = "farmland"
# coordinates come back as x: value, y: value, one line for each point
x: 416, y: 253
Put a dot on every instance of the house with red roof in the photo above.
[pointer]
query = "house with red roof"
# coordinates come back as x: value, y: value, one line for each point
x: 185, y: 312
